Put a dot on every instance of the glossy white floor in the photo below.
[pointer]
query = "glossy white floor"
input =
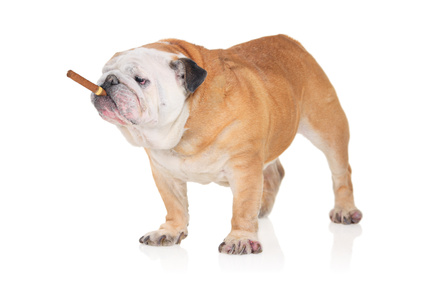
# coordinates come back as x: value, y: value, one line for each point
x: 75, y: 197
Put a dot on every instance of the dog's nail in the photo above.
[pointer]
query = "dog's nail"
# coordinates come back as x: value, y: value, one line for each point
x: 179, y: 238
x: 161, y: 240
x: 347, y: 220
x: 331, y: 215
x: 146, y: 241
x: 243, y: 250
x: 141, y: 240
x: 338, y: 218
x: 233, y: 248
x: 220, y: 246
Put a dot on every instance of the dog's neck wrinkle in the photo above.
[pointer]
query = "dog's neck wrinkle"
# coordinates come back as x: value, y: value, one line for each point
x: 162, y: 137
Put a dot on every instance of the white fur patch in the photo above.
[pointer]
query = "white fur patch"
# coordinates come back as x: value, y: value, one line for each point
x: 204, y: 168
x: 163, y: 100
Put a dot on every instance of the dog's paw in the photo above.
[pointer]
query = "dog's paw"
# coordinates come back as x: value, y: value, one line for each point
x: 163, y: 237
x: 240, y: 246
x: 339, y: 215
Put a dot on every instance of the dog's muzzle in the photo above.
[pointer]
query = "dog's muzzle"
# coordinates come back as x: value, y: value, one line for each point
x: 120, y: 106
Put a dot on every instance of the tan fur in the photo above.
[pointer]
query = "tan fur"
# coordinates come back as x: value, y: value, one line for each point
x: 273, y: 175
x: 256, y: 97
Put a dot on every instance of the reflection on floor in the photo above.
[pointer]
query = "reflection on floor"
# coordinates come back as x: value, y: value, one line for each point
x: 175, y: 258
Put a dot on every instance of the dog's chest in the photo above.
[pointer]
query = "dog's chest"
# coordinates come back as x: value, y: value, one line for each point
x: 202, y: 168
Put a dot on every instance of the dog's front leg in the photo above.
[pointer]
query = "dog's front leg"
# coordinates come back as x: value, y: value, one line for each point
x: 246, y: 181
x: 174, y: 196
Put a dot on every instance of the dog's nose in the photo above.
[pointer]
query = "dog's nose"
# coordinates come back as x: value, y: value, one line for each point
x: 112, y: 79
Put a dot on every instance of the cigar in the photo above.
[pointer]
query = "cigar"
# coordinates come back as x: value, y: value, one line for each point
x: 86, y: 83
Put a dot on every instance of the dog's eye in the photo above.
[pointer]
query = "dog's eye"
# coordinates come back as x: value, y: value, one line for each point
x: 141, y: 80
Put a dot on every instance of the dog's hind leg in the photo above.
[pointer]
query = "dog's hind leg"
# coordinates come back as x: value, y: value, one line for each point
x: 273, y: 175
x: 324, y: 123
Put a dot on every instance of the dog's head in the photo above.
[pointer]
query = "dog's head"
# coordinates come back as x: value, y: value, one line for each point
x: 146, y: 88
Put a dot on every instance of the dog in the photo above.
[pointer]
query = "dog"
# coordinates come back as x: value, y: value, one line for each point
x: 225, y: 116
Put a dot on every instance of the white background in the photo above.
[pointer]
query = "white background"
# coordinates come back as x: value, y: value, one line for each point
x: 75, y: 197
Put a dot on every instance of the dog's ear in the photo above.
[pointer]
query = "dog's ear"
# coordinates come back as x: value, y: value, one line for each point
x: 188, y: 73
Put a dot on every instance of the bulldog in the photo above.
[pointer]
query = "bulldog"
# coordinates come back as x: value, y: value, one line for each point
x: 225, y: 116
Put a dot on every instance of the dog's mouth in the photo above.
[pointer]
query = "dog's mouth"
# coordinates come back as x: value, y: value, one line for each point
x: 108, y: 110
x: 121, y: 106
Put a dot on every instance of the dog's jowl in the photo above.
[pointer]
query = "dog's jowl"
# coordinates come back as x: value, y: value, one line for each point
x: 225, y: 116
